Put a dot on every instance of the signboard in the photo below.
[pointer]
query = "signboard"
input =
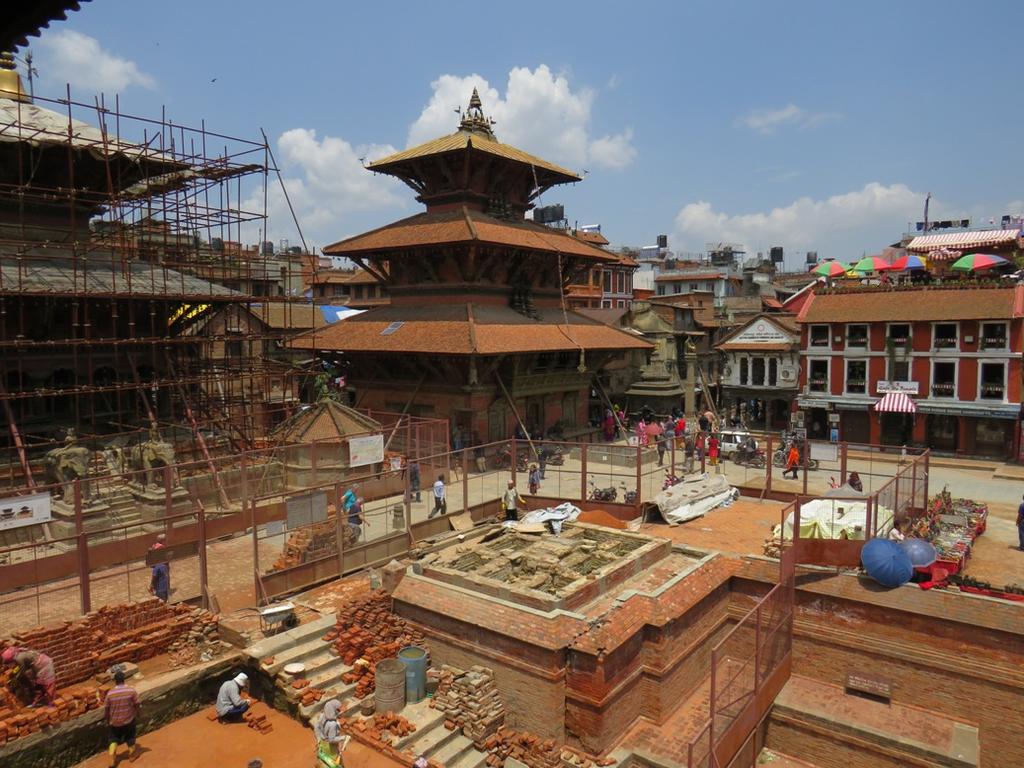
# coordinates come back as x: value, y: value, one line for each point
x: 833, y: 418
x: 365, y: 450
x: 906, y: 387
x: 807, y: 402
x: 762, y: 332
x: 20, y: 511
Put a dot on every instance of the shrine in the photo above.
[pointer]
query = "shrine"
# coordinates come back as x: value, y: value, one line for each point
x: 478, y: 330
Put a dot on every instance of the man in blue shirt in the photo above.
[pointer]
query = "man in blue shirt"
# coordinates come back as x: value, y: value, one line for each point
x: 348, y: 500
x: 1020, y: 526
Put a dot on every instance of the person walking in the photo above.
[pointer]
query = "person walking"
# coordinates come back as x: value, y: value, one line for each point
x: 510, y: 501
x: 1020, y: 526
x: 356, y: 519
x: 120, y: 709
x: 440, y: 498
x: 542, y: 460
x: 713, y: 448
x: 160, y: 581
x: 414, y: 479
x: 535, y: 478
x: 36, y: 671
x: 231, y: 705
x: 792, y: 461
x: 660, y: 441
x: 330, y: 742
x: 688, y: 448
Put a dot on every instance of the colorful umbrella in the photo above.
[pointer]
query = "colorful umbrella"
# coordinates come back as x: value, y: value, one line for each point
x: 910, y: 261
x: 830, y: 269
x: 972, y: 262
x: 872, y: 264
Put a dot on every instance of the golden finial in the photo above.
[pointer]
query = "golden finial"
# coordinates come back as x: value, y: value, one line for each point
x: 473, y: 119
x: 10, y: 80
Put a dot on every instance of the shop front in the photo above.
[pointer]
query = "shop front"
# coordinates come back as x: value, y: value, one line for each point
x: 992, y: 437
x: 896, y: 413
x: 855, y: 427
x: 943, y: 432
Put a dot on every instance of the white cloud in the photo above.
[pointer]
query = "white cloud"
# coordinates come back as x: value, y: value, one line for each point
x: 71, y: 57
x: 767, y: 120
x: 540, y: 112
x: 327, y: 184
x: 841, y: 226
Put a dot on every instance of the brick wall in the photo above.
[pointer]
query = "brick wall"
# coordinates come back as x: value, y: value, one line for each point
x: 80, y: 649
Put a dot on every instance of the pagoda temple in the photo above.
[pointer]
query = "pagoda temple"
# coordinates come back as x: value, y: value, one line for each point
x: 478, y: 330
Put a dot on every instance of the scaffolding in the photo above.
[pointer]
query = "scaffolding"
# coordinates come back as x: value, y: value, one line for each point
x: 130, y: 307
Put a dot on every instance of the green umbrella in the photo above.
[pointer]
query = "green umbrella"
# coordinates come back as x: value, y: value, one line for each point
x: 972, y: 262
x: 872, y: 264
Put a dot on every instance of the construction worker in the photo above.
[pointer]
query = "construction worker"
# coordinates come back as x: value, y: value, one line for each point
x: 121, y: 707
x: 35, y: 670
x: 329, y: 741
x: 510, y: 501
x: 231, y: 705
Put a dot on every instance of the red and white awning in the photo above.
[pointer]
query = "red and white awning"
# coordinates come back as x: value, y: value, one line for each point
x: 963, y: 240
x: 896, y: 402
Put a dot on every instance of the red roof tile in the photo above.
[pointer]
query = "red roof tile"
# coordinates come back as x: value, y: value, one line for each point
x: 914, y: 304
x: 464, y: 329
x: 465, y: 226
x: 671, y: 278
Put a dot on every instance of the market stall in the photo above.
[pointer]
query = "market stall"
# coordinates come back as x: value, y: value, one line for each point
x: 952, y: 526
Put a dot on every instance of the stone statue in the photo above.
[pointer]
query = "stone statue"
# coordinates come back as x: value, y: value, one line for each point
x: 146, y: 458
x: 68, y: 463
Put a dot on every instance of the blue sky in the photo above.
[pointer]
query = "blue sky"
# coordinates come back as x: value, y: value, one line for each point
x: 811, y: 125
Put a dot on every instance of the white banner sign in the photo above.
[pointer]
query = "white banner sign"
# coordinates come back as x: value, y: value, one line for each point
x: 906, y: 387
x: 762, y: 332
x: 24, y: 510
x: 365, y: 450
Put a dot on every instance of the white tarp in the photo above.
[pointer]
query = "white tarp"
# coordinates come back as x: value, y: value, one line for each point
x: 564, y: 512
x: 695, y: 496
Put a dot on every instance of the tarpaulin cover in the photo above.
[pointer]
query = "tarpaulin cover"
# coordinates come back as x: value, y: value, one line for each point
x: 886, y: 562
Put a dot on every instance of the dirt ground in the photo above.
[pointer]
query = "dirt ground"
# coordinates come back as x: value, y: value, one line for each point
x: 996, y: 558
x: 195, y: 742
x: 739, y: 529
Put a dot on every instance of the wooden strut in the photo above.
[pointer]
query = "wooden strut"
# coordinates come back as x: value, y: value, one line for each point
x: 221, y: 493
x: 405, y: 410
x: 16, y: 436
x: 515, y: 413
x: 609, y: 403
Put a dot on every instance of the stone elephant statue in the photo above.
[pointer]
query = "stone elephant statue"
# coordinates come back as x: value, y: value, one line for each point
x: 66, y: 464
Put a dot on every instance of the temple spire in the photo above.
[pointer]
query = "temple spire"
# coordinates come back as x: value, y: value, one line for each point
x: 474, y: 120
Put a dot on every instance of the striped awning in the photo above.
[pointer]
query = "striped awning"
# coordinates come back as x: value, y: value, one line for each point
x: 896, y: 402
x: 963, y: 240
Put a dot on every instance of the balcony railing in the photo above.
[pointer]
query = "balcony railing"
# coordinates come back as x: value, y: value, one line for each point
x: 993, y: 342
x: 819, y: 342
x: 856, y: 386
x: 944, y: 342
x: 943, y: 389
x: 993, y: 391
x: 818, y: 385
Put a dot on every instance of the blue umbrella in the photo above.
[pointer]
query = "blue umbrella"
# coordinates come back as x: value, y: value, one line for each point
x: 920, y: 552
x: 886, y: 562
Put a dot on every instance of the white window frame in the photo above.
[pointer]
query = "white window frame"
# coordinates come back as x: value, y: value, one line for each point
x: 828, y: 336
x: 867, y: 335
x: 981, y: 336
x: 935, y: 348
x: 828, y: 375
x: 867, y: 375
x: 889, y: 372
x: 956, y: 379
x: 910, y: 331
x: 1006, y: 383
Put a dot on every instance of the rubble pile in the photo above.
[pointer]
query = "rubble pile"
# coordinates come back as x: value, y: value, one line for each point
x: 535, y: 752
x: 368, y: 632
x: 380, y: 734
x: 470, y: 701
x: 17, y: 720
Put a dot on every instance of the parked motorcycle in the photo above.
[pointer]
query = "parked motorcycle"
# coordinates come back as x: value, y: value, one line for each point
x: 629, y: 497
x: 756, y: 460
x: 603, y: 494
x: 780, y: 455
x: 555, y: 456
x: 503, y: 460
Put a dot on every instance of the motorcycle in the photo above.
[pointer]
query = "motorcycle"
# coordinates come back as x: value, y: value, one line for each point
x: 780, y: 456
x: 629, y: 497
x: 669, y: 481
x: 603, y: 494
x: 554, y: 456
x: 756, y: 460
x: 503, y: 460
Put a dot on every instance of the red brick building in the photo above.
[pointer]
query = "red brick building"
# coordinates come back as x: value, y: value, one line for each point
x: 477, y: 329
x: 954, y: 350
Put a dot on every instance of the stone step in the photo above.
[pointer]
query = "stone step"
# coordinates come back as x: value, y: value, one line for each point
x: 435, y: 740
x: 301, y: 641
x: 470, y: 759
x: 349, y: 704
x: 424, y: 718
x: 453, y: 749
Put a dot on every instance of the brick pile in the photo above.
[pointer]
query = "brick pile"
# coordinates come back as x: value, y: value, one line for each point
x: 367, y: 632
x: 111, y: 635
x: 378, y: 733
x: 17, y: 720
x: 535, y: 752
x: 316, y: 542
x: 255, y: 717
x: 470, y: 701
